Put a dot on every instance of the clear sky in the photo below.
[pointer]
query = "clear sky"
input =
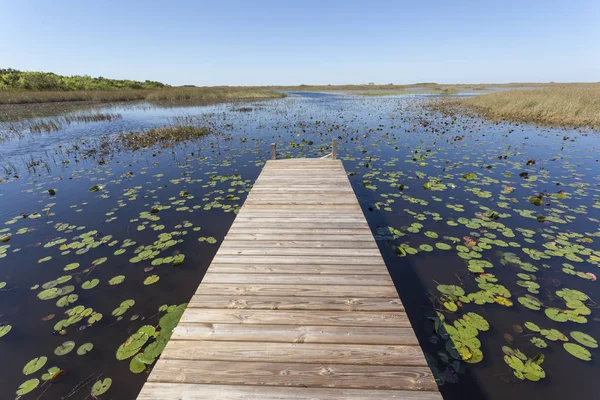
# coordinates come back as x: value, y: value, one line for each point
x: 262, y: 42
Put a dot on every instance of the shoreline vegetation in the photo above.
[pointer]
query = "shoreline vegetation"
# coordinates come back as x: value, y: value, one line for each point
x: 560, y: 104
x: 574, y: 105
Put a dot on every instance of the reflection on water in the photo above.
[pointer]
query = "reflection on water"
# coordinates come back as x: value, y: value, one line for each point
x: 449, y: 199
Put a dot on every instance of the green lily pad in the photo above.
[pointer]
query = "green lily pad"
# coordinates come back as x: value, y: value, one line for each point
x: 451, y: 290
x: 90, y: 284
x: 4, y: 330
x: 136, y: 365
x: 28, y: 386
x: 51, y: 372
x: 151, y: 280
x: 578, y: 351
x: 101, y: 387
x: 556, y: 314
x: 84, y: 349
x: 530, y: 302
x: 71, y: 266
x: 532, y: 327
x: 64, y: 348
x: 34, y: 365
x: 132, y: 345
x: 116, y: 280
x: 584, y: 339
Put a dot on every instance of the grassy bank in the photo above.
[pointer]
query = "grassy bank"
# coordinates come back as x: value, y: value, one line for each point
x: 211, y: 94
x: 198, y: 95
x: 574, y: 105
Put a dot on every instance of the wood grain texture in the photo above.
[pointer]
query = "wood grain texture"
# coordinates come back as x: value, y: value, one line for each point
x: 308, y: 353
x: 295, y: 374
x: 295, y: 333
x: 297, y: 304
x: 291, y: 317
x: 186, y: 391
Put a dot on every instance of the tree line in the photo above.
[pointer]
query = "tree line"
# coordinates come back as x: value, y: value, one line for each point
x: 12, y: 79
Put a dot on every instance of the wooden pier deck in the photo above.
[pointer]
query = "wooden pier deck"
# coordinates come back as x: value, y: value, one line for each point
x: 297, y: 304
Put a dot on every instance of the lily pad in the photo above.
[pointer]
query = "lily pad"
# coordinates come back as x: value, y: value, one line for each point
x: 101, y: 387
x: 584, y: 339
x: 64, y: 348
x: 4, y: 330
x: 84, y: 349
x: 28, y: 386
x: 90, y: 284
x: 151, y: 280
x: 578, y: 351
x: 116, y: 280
x: 34, y: 365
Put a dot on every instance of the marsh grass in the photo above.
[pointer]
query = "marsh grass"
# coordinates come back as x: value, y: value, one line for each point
x: 575, y: 105
x: 164, y: 136
x: 199, y: 95
x: 208, y: 95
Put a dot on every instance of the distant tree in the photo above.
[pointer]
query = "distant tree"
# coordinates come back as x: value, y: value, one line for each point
x: 12, y: 79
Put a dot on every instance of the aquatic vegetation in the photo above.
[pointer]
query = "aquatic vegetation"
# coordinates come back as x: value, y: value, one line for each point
x: 471, y: 236
x: 101, y: 387
x: 523, y: 367
x: 135, y: 346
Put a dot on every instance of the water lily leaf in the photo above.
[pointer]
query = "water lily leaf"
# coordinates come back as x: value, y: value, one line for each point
x: 116, y: 280
x: 84, y: 349
x: 132, y: 345
x: 582, y: 338
x: 451, y: 290
x: 101, y: 387
x: 151, y: 279
x: 539, y: 342
x: 136, y: 365
x: 28, y: 386
x: 476, y: 321
x: 578, y: 351
x: 34, y: 365
x: 556, y: 314
x: 530, y: 302
x: 71, y: 266
x: 4, y: 330
x: 532, y: 327
x: 64, y: 348
x: 90, y: 284
x: 50, y: 374
x: 49, y: 294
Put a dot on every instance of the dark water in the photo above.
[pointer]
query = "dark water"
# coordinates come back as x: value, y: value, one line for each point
x: 384, y: 143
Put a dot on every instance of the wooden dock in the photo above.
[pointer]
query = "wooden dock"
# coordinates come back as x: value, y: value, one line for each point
x: 297, y: 304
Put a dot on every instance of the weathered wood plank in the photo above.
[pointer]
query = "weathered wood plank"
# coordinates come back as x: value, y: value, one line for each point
x: 215, y: 276
x: 306, y: 259
x: 294, y: 374
x: 232, y: 243
x: 319, y: 238
x: 295, y: 290
x: 187, y: 391
x: 306, y: 251
x: 296, y: 333
x: 298, y: 303
x: 309, y: 353
x: 299, y: 269
x: 291, y: 317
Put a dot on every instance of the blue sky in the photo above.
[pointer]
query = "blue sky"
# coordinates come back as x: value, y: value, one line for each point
x: 261, y: 42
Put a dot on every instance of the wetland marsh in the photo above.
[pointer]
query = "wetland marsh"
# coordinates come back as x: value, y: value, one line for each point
x: 490, y: 231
